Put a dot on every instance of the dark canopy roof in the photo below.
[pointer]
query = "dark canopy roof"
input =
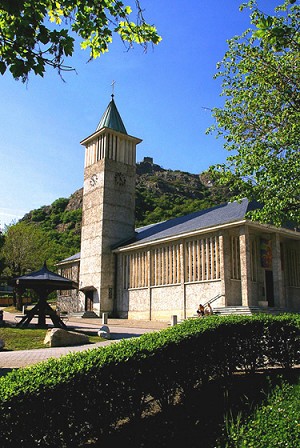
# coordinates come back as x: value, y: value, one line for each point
x: 44, y: 279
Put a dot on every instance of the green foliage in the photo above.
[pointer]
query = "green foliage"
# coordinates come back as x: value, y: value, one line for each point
x: 160, y: 198
x: 25, y: 248
x: 38, y: 215
x: 274, y: 424
x: 28, y: 42
x: 2, y: 263
x: 261, y: 116
x: 59, y: 205
x: 72, y: 217
x: 66, y: 412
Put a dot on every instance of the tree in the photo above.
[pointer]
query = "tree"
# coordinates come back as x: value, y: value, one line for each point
x: 2, y: 240
x: 260, y: 120
x: 25, y: 248
x: 28, y: 42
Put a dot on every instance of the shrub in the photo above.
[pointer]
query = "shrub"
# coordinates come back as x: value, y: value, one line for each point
x: 64, y: 402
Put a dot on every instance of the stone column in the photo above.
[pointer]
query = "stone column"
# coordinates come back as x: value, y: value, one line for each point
x: 279, y: 296
x: 182, y: 270
x: 245, y: 266
x: 149, y: 273
x: 222, y: 268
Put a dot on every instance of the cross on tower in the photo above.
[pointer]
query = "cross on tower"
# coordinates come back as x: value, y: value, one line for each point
x: 113, y: 86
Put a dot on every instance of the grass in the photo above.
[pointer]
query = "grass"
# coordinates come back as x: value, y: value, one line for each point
x: 30, y: 338
x: 11, y: 309
x: 275, y: 423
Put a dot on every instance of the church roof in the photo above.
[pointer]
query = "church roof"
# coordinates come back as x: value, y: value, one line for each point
x: 112, y: 119
x: 227, y: 213
x: 72, y: 258
x: 221, y: 214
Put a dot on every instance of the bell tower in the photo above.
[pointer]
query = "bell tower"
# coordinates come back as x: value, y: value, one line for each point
x: 108, y: 209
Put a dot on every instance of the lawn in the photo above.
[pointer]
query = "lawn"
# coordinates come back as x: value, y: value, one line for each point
x: 30, y: 338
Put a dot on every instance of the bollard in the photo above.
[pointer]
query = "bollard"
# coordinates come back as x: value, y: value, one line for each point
x: 104, y: 318
x: 1, y: 316
x: 173, y: 320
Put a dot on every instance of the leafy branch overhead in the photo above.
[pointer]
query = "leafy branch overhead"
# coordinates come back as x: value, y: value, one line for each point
x: 260, y: 120
x: 34, y: 34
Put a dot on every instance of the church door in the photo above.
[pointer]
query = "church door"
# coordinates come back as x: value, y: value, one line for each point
x: 89, y: 301
x: 269, y: 287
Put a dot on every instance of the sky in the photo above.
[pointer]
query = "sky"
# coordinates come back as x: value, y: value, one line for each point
x: 164, y: 97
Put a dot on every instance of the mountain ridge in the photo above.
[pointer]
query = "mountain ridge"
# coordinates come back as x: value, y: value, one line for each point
x: 161, y: 194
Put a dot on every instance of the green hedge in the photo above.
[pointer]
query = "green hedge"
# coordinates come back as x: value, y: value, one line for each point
x: 65, y: 402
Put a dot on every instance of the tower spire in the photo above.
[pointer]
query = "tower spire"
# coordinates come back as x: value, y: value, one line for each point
x: 111, y: 118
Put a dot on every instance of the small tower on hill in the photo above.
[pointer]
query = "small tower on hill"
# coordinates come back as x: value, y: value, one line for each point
x: 108, y: 206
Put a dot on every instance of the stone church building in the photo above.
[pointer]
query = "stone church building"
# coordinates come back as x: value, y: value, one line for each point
x: 168, y: 268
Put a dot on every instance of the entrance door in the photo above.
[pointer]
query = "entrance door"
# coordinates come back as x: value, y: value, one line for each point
x: 89, y: 301
x: 269, y: 287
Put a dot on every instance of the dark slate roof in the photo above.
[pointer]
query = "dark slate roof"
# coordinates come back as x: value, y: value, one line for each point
x: 44, y: 278
x: 73, y: 257
x: 112, y: 119
x: 221, y: 214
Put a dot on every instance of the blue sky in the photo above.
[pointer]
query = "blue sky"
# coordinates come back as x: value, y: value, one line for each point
x: 162, y: 96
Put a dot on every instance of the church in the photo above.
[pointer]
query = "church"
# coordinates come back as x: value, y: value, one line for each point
x: 215, y: 255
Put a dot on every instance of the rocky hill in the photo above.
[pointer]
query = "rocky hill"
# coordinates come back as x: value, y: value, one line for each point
x: 160, y: 194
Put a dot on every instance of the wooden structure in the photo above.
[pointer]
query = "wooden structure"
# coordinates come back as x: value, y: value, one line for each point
x: 43, y: 282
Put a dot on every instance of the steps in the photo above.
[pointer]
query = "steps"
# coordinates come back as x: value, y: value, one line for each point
x: 86, y: 315
x: 246, y: 310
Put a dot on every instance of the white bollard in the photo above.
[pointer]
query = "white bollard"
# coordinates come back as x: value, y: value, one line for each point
x: 173, y: 320
x: 104, y: 318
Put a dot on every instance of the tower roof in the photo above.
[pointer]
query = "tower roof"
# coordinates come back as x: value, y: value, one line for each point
x: 112, y: 119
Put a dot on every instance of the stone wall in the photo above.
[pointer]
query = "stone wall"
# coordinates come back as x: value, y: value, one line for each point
x: 69, y: 300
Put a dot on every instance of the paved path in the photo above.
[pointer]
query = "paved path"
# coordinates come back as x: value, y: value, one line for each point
x: 119, y: 329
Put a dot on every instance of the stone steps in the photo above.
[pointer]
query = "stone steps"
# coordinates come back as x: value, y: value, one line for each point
x: 245, y: 310
x: 85, y: 315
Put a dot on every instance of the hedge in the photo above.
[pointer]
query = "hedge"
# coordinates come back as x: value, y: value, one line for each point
x: 65, y: 402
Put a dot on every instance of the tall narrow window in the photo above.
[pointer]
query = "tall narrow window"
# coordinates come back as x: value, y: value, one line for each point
x: 165, y: 265
x: 253, y: 260
x: 292, y: 260
x: 235, y: 258
x: 134, y: 270
x: 202, y: 258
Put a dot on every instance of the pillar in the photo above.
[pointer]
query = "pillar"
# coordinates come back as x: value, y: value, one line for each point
x: 245, y: 266
x: 279, y: 296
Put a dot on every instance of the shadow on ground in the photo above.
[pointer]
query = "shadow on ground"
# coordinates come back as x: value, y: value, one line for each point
x: 197, y: 421
x: 4, y: 371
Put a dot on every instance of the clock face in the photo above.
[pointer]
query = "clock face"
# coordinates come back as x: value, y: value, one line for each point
x: 93, y: 180
x: 120, y: 179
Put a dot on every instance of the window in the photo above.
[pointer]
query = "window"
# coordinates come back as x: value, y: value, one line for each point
x: 293, y: 267
x: 235, y: 258
x: 165, y: 269
x: 135, y: 271
x: 253, y: 260
x: 202, y: 259
x: 66, y: 272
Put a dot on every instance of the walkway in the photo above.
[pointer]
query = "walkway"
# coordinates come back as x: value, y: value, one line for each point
x: 119, y: 329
